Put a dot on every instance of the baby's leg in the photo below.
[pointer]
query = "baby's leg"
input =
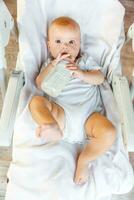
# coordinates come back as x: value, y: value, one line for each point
x: 49, y: 116
x: 101, y: 133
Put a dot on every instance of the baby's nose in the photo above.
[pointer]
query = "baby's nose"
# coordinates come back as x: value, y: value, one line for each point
x: 65, y: 45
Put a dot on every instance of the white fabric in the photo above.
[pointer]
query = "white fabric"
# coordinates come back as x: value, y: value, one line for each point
x: 79, y: 100
x: 45, y: 172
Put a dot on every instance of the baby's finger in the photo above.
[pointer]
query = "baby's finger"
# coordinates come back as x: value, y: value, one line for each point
x: 71, y: 67
x: 70, y: 64
x: 58, y: 57
x: 69, y: 59
x: 64, y: 56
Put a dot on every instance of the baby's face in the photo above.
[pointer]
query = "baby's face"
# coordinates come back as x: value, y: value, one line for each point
x: 63, y: 40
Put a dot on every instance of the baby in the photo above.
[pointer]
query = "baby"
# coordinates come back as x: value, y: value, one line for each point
x: 75, y: 115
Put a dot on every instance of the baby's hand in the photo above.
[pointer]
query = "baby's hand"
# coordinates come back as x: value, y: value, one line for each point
x: 76, y: 71
x: 59, y: 58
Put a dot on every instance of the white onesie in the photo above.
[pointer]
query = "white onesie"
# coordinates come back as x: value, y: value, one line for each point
x: 79, y: 100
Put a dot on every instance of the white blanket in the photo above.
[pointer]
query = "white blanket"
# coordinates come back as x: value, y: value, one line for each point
x: 42, y: 171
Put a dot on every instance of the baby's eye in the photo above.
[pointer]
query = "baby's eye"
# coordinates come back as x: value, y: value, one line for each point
x: 71, y: 42
x: 58, y: 41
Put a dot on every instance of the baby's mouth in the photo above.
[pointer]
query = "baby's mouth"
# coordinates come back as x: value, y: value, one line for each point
x: 64, y: 53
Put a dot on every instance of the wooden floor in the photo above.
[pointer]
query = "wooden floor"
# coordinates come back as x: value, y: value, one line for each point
x: 5, y: 158
x: 127, y: 58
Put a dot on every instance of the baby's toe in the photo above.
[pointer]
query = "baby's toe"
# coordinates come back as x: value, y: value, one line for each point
x: 81, y: 180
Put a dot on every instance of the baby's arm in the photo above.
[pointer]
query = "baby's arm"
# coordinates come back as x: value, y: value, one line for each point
x: 94, y: 77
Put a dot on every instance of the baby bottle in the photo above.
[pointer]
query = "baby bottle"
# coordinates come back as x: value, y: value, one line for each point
x: 56, y: 80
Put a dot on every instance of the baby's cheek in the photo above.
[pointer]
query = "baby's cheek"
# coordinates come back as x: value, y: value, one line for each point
x: 56, y: 53
x: 77, y: 49
x: 55, y: 50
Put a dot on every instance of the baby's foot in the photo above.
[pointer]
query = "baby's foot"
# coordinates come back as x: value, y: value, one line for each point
x: 82, y: 172
x: 50, y: 132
